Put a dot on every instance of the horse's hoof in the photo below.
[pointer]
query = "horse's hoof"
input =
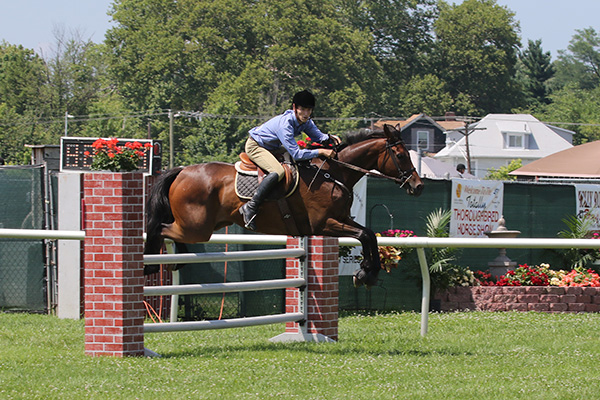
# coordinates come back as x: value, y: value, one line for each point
x: 359, y: 278
x: 371, y: 279
x: 367, y: 278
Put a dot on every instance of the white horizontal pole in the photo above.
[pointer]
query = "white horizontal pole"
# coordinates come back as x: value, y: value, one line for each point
x: 41, y: 234
x: 505, y: 243
x: 226, y: 287
x: 186, y: 258
x: 223, y: 323
x: 248, y: 239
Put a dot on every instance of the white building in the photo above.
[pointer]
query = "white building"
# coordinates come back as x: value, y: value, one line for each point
x: 498, y: 139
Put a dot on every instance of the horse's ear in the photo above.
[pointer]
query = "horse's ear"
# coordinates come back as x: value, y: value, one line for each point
x: 390, y: 131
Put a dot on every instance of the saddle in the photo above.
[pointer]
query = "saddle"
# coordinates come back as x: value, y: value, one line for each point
x: 249, y: 176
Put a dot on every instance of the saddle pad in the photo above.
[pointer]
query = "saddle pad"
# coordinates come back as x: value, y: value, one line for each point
x: 246, y: 184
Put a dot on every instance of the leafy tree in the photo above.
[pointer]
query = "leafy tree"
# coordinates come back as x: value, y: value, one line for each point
x: 22, y: 76
x: 12, y: 141
x: 76, y: 77
x: 579, y: 106
x: 502, y: 173
x: 426, y: 94
x: 400, y: 32
x: 538, y: 69
x: 476, y: 53
x: 237, y: 58
x: 580, y: 64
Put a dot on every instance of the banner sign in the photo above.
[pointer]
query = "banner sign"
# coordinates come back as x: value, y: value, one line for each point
x: 588, y: 202
x: 350, y: 261
x: 476, y: 207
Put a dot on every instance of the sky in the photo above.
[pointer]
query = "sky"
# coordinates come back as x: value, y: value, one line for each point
x: 31, y: 23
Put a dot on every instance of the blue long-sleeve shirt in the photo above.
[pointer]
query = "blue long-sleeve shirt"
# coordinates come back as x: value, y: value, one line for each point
x: 281, y: 131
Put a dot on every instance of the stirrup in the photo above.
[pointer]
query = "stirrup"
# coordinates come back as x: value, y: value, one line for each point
x: 250, y: 223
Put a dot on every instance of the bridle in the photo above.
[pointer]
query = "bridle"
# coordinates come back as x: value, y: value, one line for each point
x: 404, y: 176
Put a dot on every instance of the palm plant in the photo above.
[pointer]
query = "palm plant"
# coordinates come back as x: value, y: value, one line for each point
x: 437, y: 226
x: 578, y: 228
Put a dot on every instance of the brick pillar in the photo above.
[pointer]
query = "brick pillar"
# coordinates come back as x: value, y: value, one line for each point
x: 113, y: 263
x: 322, y: 291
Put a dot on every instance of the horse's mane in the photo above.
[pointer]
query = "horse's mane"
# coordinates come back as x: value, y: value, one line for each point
x: 360, y: 135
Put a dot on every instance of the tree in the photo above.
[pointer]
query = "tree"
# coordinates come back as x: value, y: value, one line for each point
x: 237, y: 58
x: 476, y: 54
x: 77, y: 77
x: 580, y: 64
x: 538, y: 69
x: 426, y: 94
x: 579, y: 106
x: 401, y: 36
x: 502, y: 173
x: 22, y: 78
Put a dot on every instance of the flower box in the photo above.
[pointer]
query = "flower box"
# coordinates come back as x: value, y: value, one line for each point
x: 520, y: 298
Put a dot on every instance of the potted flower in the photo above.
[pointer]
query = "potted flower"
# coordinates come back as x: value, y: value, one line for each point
x: 108, y: 155
x: 391, y: 255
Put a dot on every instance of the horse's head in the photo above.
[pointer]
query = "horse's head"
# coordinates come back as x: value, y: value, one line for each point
x: 395, y: 161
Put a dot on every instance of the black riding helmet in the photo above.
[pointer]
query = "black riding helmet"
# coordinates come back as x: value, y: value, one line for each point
x: 304, y: 99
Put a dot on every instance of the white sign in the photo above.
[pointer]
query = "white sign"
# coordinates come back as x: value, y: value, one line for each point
x: 476, y: 207
x: 351, y: 262
x: 588, y: 202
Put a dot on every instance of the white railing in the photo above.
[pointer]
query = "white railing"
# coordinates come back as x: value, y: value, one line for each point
x: 41, y: 234
x: 420, y: 243
x: 175, y: 290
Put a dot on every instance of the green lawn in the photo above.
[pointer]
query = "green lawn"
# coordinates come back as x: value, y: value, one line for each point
x: 471, y: 355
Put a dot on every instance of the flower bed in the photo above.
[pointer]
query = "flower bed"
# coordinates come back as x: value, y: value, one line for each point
x: 527, y: 288
x: 521, y: 298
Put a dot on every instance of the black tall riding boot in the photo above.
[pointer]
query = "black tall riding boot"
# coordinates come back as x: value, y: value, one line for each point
x: 250, y: 209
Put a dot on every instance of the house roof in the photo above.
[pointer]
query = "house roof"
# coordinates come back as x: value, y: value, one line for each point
x: 581, y: 161
x: 402, y: 124
x: 487, y: 140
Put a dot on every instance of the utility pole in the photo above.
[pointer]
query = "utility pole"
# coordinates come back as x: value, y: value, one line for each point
x: 170, y: 139
x: 67, y: 116
x: 467, y: 132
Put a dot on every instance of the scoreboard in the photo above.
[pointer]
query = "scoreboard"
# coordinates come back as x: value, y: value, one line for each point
x: 73, y: 158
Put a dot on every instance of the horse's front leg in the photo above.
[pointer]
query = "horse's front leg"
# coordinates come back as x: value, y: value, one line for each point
x: 370, y: 266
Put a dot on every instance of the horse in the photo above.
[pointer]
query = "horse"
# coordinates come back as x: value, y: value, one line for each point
x: 187, y: 204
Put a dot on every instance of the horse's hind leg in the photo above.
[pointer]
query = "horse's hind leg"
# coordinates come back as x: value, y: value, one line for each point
x: 180, y: 233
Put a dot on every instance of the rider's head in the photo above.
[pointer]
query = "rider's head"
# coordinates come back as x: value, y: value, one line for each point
x: 305, y: 99
x: 303, y: 103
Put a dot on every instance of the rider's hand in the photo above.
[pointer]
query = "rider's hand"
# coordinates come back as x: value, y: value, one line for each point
x: 335, y: 139
x: 326, y: 153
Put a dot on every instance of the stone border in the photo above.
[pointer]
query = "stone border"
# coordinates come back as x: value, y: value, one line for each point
x: 521, y: 298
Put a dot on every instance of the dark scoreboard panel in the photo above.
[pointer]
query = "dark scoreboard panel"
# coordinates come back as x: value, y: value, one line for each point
x: 73, y: 158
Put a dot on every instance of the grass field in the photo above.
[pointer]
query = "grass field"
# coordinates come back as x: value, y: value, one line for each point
x: 471, y: 355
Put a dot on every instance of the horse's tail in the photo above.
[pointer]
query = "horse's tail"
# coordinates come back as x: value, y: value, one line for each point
x: 158, y: 210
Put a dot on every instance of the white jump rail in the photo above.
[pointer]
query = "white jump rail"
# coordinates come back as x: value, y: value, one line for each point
x: 420, y: 243
x: 175, y: 290
x: 34, y: 234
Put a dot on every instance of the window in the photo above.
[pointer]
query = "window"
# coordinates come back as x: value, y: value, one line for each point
x: 423, y: 140
x: 514, y: 141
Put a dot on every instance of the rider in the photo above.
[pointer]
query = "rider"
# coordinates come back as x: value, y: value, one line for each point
x: 272, y: 135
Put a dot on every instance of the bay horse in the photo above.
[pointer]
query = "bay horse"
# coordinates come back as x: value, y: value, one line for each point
x: 187, y: 204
